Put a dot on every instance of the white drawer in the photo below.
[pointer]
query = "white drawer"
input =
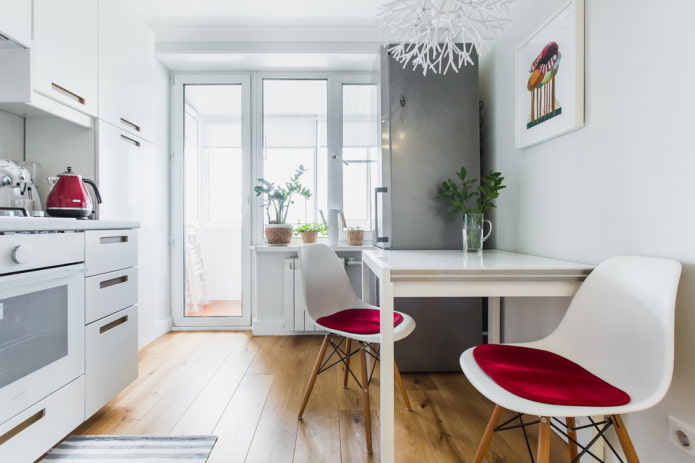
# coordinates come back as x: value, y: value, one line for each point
x: 108, y: 250
x: 111, y: 357
x: 107, y: 293
x: 31, y: 433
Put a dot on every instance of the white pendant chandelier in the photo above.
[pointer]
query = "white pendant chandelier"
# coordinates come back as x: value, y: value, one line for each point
x: 441, y: 35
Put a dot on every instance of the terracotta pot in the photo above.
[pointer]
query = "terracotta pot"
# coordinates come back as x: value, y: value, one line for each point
x: 309, y: 236
x: 278, y: 233
x: 355, y: 237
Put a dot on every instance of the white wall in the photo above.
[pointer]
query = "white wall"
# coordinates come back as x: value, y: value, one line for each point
x: 11, y: 136
x: 623, y: 184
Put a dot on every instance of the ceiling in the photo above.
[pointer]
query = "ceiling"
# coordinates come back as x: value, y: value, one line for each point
x: 264, y: 34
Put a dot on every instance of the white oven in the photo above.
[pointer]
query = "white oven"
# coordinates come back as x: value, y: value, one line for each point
x: 41, y: 316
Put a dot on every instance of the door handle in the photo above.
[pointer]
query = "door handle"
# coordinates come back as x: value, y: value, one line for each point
x: 377, y: 238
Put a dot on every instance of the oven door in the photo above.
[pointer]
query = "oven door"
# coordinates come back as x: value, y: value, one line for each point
x: 41, y: 335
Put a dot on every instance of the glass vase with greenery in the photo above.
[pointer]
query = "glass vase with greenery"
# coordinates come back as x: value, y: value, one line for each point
x: 472, y: 202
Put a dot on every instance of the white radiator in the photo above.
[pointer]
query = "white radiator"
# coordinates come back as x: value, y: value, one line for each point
x: 294, y: 296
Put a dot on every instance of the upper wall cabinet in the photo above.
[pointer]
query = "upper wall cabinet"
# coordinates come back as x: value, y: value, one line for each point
x: 65, y: 52
x: 126, y: 69
x: 15, y: 21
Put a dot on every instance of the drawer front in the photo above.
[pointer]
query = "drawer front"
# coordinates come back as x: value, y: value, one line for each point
x: 111, y: 358
x: 31, y: 433
x: 110, y: 292
x: 108, y: 250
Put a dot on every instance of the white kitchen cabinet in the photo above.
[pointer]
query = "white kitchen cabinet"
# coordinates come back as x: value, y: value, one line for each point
x: 126, y: 71
x: 15, y: 21
x: 111, y: 315
x: 26, y: 436
x: 66, y: 52
x: 120, y: 173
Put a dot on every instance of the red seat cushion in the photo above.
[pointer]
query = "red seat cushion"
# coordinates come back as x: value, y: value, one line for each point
x: 358, y: 321
x: 546, y: 377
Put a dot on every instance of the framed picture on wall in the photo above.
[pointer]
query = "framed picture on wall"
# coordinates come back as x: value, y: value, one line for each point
x: 550, y: 78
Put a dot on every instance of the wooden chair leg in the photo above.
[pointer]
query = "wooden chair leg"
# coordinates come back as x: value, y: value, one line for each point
x: 572, y: 433
x: 401, y: 386
x: 348, y: 345
x: 543, y: 454
x: 365, y: 397
x: 624, y: 438
x: 312, y: 378
x: 487, y: 436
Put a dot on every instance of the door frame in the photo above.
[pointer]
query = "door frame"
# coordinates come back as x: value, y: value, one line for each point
x: 178, y: 286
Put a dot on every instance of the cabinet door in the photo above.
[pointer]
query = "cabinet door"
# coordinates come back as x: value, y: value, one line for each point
x: 15, y: 20
x: 65, y: 52
x: 120, y: 175
x: 126, y: 69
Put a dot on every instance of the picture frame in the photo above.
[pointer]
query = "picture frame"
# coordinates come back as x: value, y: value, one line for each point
x: 550, y: 78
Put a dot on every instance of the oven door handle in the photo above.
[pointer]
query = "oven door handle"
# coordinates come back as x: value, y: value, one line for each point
x: 47, y: 274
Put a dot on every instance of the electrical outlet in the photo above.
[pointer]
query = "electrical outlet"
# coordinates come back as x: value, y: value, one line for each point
x: 681, y: 435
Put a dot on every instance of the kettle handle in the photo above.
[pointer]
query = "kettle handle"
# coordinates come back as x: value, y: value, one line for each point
x: 96, y: 189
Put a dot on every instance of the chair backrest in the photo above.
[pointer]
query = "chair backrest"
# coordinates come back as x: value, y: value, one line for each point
x: 327, y: 288
x: 620, y: 325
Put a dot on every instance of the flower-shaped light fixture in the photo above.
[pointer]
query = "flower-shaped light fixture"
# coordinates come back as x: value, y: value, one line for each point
x: 440, y: 35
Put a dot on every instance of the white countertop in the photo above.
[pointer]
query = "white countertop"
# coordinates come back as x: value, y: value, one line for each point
x: 15, y: 224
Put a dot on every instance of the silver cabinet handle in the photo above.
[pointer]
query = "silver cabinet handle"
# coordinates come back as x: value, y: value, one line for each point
x: 113, y: 282
x: 131, y: 140
x: 377, y: 238
x: 113, y: 324
x: 130, y: 124
x: 113, y: 239
x: 22, y: 426
x: 67, y: 92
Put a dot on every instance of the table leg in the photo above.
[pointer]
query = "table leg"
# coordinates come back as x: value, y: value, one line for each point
x: 494, y: 320
x: 386, y: 369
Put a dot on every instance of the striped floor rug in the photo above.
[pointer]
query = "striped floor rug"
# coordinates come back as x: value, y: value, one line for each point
x: 139, y: 449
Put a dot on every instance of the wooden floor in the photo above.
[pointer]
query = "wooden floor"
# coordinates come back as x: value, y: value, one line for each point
x: 247, y: 390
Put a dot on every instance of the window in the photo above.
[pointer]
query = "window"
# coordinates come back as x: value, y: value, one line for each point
x: 330, y: 125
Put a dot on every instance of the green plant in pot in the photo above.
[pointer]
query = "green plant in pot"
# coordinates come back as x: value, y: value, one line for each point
x: 472, y: 199
x: 310, y: 231
x: 277, y: 200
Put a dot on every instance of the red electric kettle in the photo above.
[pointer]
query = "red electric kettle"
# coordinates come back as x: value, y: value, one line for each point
x: 69, y: 197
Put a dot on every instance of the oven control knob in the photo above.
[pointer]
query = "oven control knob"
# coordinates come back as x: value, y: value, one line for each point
x: 21, y: 254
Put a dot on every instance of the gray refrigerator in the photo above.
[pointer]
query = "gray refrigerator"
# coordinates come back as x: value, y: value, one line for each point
x: 429, y: 128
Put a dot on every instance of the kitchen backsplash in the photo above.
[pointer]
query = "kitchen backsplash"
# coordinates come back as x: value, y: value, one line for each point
x: 11, y: 136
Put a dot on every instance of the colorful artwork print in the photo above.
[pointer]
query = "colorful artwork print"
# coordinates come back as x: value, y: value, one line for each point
x: 550, y: 78
x: 541, y: 84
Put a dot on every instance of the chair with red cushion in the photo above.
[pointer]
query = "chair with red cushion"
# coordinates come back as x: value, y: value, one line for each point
x: 334, y: 306
x: 611, y: 354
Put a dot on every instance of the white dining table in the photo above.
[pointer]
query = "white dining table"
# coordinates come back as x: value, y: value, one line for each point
x: 448, y: 273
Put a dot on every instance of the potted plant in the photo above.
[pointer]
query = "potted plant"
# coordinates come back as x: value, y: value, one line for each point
x: 277, y: 200
x: 355, y: 236
x: 310, y: 231
x: 473, y: 202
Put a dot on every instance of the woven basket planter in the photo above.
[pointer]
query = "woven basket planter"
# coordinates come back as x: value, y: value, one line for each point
x: 309, y: 236
x: 278, y: 233
x: 355, y: 237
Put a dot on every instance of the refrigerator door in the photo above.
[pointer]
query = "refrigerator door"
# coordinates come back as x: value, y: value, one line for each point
x: 430, y: 128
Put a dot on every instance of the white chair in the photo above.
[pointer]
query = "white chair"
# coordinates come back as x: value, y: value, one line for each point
x: 619, y: 326
x: 334, y: 306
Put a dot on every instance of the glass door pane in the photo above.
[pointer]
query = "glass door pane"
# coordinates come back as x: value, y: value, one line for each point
x: 213, y: 181
x: 294, y: 134
x: 360, y: 153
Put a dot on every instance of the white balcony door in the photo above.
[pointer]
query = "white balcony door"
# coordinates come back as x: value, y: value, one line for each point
x: 211, y: 224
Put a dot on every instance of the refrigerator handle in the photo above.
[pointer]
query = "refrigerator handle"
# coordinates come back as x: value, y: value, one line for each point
x: 377, y: 238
